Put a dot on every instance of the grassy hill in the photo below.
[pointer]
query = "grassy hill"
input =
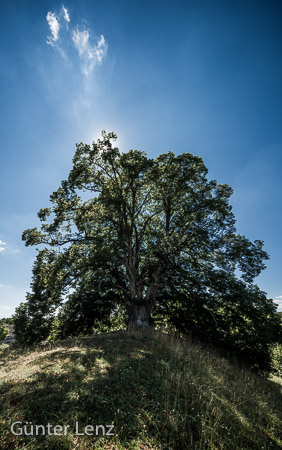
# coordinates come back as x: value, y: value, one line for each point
x: 159, y: 393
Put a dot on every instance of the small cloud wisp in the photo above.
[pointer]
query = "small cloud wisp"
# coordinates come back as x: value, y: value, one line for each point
x: 66, y: 14
x: 90, y: 53
x: 54, y: 28
x: 2, y: 246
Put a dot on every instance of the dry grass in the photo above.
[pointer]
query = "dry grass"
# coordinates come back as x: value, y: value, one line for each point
x: 158, y: 391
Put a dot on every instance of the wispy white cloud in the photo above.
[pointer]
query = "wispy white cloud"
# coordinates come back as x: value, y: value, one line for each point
x: 81, y: 40
x: 91, y: 51
x: 3, y: 246
x: 66, y: 15
x: 101, y: 49
x: 9, y: 249
x: 91, y: 54
x: 54, y: 28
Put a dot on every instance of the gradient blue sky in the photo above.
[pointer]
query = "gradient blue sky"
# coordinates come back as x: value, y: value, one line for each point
x: 197, y: 76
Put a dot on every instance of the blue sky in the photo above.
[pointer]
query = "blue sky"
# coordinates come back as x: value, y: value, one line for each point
x: 202, y: 77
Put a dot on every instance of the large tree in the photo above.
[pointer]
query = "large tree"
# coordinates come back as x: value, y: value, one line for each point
x: 131, y: 227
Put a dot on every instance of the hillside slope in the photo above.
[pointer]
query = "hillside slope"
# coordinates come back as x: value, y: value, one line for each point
x: 157, y: 391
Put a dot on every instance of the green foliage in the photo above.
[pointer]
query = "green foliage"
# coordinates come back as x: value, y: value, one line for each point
x: 158, y: 391
x: 87, y: 312
x: 4, y: 331
x: 7, y: 321
x: 133, y: 234
x: 276, y: 353
x: 33, y: 319
x: 277, y: 359
x: 32, y: 323
x: 236, y: 318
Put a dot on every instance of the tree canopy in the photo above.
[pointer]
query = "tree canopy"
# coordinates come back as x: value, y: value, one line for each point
x: 131, y: 232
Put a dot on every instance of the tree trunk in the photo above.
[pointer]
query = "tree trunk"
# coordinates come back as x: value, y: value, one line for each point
x: 139, y: 315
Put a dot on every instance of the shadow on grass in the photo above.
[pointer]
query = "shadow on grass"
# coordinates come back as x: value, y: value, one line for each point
x: 140, y: 385
x: 111, y: 383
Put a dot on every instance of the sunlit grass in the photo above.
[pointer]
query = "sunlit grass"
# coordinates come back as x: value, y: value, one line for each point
x: 158, y: 391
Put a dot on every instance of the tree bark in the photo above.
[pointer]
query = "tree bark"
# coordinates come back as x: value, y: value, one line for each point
x: 139, y: 315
